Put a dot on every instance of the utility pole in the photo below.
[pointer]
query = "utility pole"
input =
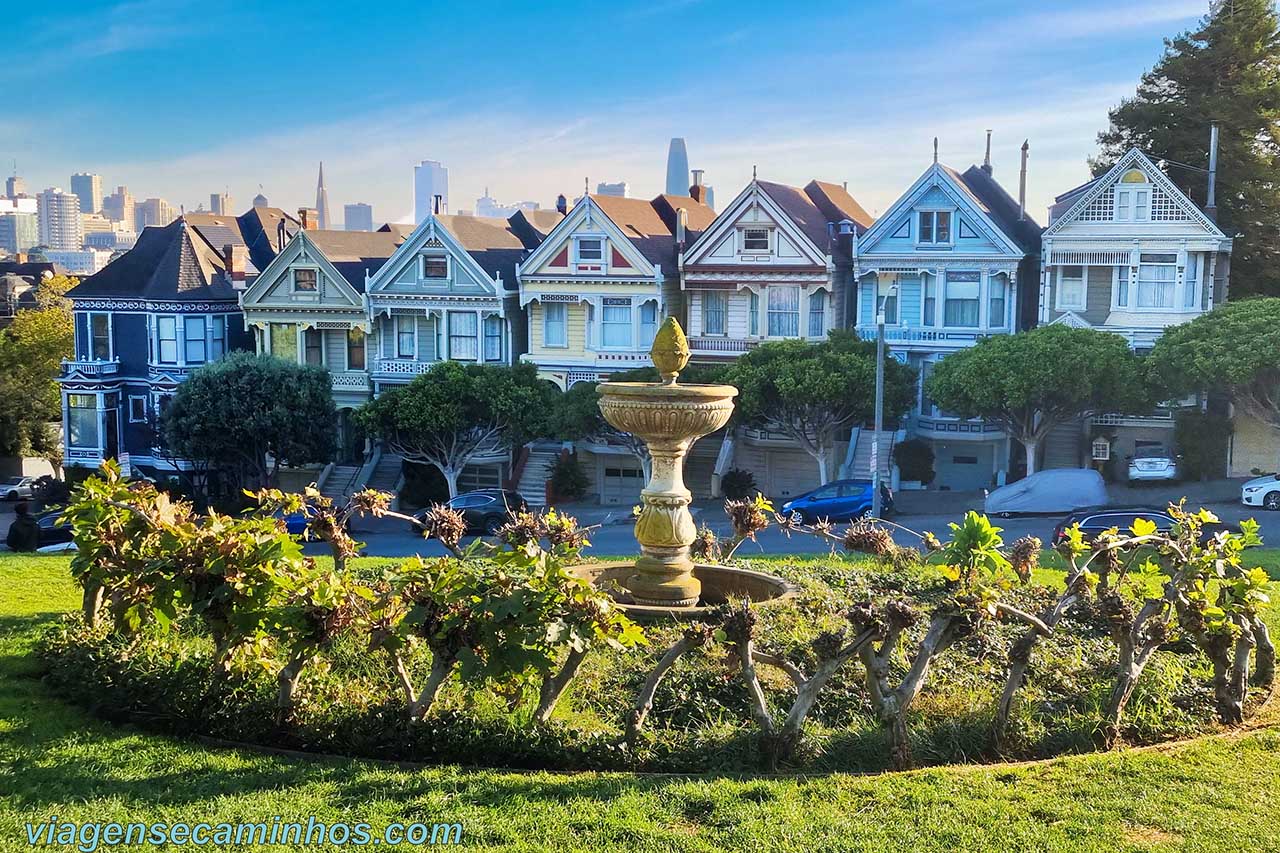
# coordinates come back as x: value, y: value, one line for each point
x: 879, y: 425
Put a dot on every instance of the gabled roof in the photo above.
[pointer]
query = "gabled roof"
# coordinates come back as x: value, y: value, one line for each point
x: 401, y: 230
x: 837, y: 204
x: 342, y: 256
x: 1002, y: 209
x: 533, y: 226
x: 651, y: 225
x: 260, y: 233
x: 354, y: 253
x: 173, y: 263
x: 493, y: 242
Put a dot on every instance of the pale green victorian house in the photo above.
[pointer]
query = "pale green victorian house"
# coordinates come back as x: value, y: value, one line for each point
x: 309, y: 305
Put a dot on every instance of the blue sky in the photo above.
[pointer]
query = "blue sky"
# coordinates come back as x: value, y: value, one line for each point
x: 179, y: 98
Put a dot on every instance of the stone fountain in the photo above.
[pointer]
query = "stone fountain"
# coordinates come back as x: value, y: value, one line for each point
x: 669, y: 418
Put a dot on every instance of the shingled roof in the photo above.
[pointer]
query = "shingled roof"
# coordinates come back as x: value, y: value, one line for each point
x: 651, y: 225
x: 1001, y: 208
x: 173, y: 263
x: 355, y: 253
x: 492, y: 241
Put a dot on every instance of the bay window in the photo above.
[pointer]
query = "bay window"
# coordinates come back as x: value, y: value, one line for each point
x: 82, y: 420
x: 217, y: 337
x: 313, y: 346
x: 713, y: 311
x: 167, y: 337
x: 615, y: 323
x: 355, y: 349
x: 464, y: 330
x: 930, y: 285
x: 960, y: 303
x: 996, y: 303
x: 194, y: 346
x: 784, y: 312
x: 1191, y: 296
x: 648, y: 323
x: 817, y: 313
x: 1157, y: 279
x: 100, y: 337
x: 492, y: 338
x: 406, y: 329
x: 753, y: 319
x: 554, y: 325
x: 1071, y: 292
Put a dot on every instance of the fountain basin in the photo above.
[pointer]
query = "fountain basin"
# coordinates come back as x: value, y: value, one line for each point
x: 718, y: 585
x: 666, y: 412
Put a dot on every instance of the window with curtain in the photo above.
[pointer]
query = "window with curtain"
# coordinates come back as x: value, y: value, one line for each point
x: 355, y: 349
x: 784, y: 312
x: 194, y: 345
x: 713, y: 311
x: 1191, y: 294
x: 887, y: 300
x: 996, y: 302
x: 753, y: 319
x: 82, y: 420
x: 1157, y: 278
x: 935, y: 226
x: 960, y: 305
x: 313, y: 346
x: 167, y: 336
x: 217, y: 337
x: 648, y: 324
x: 1122, y: 286
x: 930, y: 286
x: 554, y: 327
x: 305, y: 281
x: 464, y: 328
x: 284, y: 341
x: 1071, y: 293
x: 99, y: 337
x: 817, y: 313
x: 615, y: 323
x: 435, y: 266
x: 406, y: 343
x: 493, y: 338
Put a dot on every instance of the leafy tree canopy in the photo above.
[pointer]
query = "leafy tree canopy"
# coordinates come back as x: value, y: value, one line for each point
x: 31, y: 352
x: 1226, y: 71
x: 248, y: 414
x: 1032, y: 381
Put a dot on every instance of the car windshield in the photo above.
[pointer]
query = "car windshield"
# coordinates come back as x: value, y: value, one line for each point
x: 15, y: 481
x: 1151, y: 453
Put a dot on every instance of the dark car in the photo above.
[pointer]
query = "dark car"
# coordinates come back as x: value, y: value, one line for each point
x: 53, y: 531
x: 1094, y: 520
x: 486, y: 509
x: 839, y: 501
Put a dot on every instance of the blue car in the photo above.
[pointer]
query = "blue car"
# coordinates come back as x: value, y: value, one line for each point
x: 842, y: 500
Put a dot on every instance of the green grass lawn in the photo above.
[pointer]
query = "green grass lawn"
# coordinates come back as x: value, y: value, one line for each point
x: 1215, y: 793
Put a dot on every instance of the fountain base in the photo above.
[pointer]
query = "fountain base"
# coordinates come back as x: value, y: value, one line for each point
x: 719, y: 584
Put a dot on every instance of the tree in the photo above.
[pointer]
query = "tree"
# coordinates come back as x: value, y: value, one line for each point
x: 1030, y: 382
x: 1235, y: 349
x: 247, y: 415
x: 811, y: 392
x: 31, y: 352
x: 454, y: 412
x: 1226, y: 71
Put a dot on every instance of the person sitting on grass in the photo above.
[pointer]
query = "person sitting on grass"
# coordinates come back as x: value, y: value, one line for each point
x: 24, y: 533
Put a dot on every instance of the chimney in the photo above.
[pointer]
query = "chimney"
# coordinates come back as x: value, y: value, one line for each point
x: 234, y: 259
x: 562, y: 204
x: 1022, y: 183
x: 698, y: 192
x: 281, y: 233
x: 436, y: 209
x: 986, y: 158
x: 682, y: 218
x: 1211, y: 198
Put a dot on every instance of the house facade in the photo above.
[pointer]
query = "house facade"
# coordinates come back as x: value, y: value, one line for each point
x: 1128, y: 253
x: 775, y: 264
x: 142, y: 324
x: 309, y: 306
x: 955, y: 259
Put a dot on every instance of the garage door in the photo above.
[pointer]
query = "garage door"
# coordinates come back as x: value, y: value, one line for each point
x: 480, y: 477
x: 963, y: 467
x: 622, y: 484
x: 791, y: 473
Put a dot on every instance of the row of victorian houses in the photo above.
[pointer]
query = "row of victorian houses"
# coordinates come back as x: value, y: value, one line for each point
x: 580, y: 292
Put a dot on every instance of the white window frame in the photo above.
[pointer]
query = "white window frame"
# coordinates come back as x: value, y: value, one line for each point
x: 883, y: 290
x: 216, y: 320
x: 946, y: 297
x: 133, y: 398
x: 203, y: 339
x: 818, y: 294
x: 562, y: 323
x: 932, y: 213
x: 648, y: 331
x: 1126, y: 200
x: 602, y: 262
x: 1061, y: 304
x: 768, y: 238
x: 160, y: 341
x: 434, y: 256
x: 994, y: 280
x: 486, y: 322
x: 293, y: 280
x: 98, y: 431
x: 1121, y: 288
x: 1173, y: 284
x: 722, y: 297
x: 630, y: 324
x: 753, y: 314
x: 769, y: 311
x: 396, y: 320
x: 475, y: 338
x: 111, y: 342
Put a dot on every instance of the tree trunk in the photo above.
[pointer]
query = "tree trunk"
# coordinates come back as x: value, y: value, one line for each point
x: 451, y: 478
x: 1031, y: 448
x: 1232, y: 713
x: 440, y: 669
x: 405, y: 679
x: 553, y: 687
x: 92, y: 604
x: 1265, y: 668
x: 1120, y: 693
x: 819, y: 455
x: 900, y: 741
x: 1019, y: 660
x: 287, y: 680
x: 644, y: 699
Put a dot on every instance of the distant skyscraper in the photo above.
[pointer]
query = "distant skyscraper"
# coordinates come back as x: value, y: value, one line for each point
x: 221, y: 204
x: 19, y: 231
x: 15, y: 186
x: 322, y: 201
x: 430, y: 179
x: 677, y: 168
x: 153, y: 211
x: 119, y: 206
x: 260, y: 200
x: 89, y: 188
x: 621, y: 189
x: 491, y: 207
x: 357, y: 217
x: 60, y: 224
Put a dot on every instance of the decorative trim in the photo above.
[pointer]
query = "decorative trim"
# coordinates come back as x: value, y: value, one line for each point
x: 229, y: 306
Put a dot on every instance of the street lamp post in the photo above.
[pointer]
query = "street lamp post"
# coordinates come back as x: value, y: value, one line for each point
x: 875, y: 445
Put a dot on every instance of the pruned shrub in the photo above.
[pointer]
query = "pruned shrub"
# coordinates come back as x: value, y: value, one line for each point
x: 737, y: 484
x: 914, y: 458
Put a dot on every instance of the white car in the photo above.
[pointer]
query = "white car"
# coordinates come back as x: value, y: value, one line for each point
x: 1262, y: 491
x: 16, y: 488
x: 1153, y: 465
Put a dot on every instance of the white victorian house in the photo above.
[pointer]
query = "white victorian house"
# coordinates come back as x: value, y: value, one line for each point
x: 1129, y: 253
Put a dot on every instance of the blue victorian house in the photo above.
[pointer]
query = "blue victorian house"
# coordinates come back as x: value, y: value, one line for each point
x: 149, y: 318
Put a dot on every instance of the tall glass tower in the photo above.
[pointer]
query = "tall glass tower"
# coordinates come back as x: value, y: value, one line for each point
x: 677, y: 168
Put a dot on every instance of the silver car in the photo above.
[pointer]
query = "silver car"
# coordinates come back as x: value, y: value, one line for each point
x: 17, y: 488
x: 1153, y: 465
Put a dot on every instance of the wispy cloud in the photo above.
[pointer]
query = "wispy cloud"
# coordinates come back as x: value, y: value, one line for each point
x: 1111, y: 19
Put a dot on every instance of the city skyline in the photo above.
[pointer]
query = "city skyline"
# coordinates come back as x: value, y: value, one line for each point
x: 875, y: 132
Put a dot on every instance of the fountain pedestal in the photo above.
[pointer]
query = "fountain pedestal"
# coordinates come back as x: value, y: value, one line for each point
x: 668, y: 417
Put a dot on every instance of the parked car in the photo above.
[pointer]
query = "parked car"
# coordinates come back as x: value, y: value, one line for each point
x: 486, y: 509
x: 1055, y: 490
x: 17, y: 488
x: 1153, y: 465
x: 839, y: 501
x: 1094, y: 520
x: 1262, y: 491
x: 52, y: 530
